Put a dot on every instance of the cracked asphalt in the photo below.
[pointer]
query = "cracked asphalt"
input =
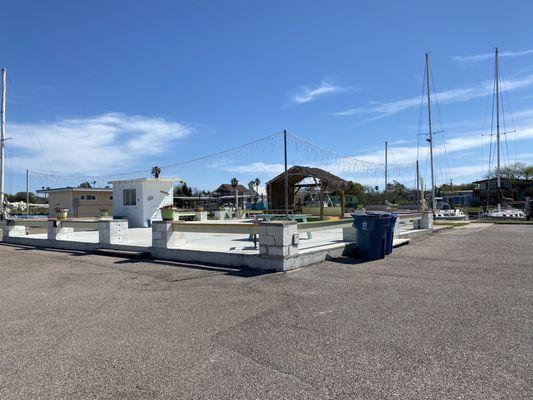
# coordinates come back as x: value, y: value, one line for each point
x: 448, y: 317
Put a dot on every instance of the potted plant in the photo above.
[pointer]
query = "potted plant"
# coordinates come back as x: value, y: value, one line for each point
x: 168, y: 212
x: 61, y: 212
x: 104, y: 212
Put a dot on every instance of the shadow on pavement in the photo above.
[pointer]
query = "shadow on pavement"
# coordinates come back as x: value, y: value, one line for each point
x: 242, y: 272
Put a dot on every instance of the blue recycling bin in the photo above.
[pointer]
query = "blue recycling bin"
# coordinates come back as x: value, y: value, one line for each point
x: 371, y: 234
x: 390, y: 233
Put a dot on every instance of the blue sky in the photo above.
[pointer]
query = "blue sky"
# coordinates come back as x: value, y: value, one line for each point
x: 111, y: 86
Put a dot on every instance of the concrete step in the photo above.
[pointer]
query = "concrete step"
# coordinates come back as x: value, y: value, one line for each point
x: 123, y: 253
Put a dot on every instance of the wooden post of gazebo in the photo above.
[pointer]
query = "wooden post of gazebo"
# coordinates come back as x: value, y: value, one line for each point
x: 342, y: 204
x: 321, y: 199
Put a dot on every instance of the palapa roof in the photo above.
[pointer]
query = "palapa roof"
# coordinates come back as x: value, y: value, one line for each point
x: 298, y: 173
x: 324, y: 179
x: 227, y: 188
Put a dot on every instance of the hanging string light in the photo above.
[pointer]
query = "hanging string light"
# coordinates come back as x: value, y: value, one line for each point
x: 301, y: 151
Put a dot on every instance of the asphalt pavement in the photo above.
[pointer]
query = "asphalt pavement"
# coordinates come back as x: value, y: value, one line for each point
x: 448, y: 317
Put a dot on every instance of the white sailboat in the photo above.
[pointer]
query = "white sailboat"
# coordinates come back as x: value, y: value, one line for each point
x: 440, y: 211
x: 502, y: 210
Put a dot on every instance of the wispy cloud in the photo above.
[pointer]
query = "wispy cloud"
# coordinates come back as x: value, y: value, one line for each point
x: 309, y: 94
x: 94, y: 145
x: 385, y: 109
x: 488, y: 56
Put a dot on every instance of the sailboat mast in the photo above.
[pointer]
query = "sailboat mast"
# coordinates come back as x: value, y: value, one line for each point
x: 497, y: 83
x: 430, y: 138
x: 2, y: 139
x: 386, y: 171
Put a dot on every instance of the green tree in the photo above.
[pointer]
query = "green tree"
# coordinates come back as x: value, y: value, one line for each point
x: 156, y: 171
x: 356, y: 189
x: 528, y: 173
x: 514, y: 171
x: 182, y: 190
x: 21, y: 196
x: 85, y: 185
x: 397, y: 192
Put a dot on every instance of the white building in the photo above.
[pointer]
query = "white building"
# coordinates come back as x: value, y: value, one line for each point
x: 139, y: 200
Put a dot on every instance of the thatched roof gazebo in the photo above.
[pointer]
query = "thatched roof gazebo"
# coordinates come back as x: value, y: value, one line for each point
x: 324, y: 180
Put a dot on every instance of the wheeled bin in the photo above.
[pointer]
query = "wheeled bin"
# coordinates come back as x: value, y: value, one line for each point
x: 371, y: 234
x: 390, y: 233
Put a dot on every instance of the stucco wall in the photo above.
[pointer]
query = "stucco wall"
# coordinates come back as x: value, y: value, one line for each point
x: 155, y: 195
x: 91, y: 208
x: 132, y: 213
x: 64, y: 199
x: 150, y: 195
x: 71, y: 199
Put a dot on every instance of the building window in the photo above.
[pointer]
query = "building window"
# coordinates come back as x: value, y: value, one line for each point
x: 129, y: 197
x: 111, y: 197
x: 90, y: 197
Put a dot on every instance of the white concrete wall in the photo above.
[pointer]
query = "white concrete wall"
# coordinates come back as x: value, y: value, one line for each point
x: 134, y: 213
x: 151, y: 195
x: 156, y: 194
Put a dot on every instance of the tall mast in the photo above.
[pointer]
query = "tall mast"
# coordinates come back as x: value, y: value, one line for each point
x: 286, y: 175
x: 386, y: 172
x: 497, y: 83
x: 2, y: 139
x: 419, y: 193
x: 430, y: 138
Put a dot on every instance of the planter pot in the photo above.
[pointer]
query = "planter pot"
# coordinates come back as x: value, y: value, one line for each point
x: 168, y: 215
x: 61, y: 215
x: 104, y: 213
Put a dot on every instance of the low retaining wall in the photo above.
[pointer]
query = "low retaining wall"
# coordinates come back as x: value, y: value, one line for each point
x: 278, y: 241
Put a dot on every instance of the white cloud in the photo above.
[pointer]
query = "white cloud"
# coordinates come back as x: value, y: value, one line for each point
x: 489, y: 56
x: 385, y: 109
x: 102, y: 144
x: 307, y: 94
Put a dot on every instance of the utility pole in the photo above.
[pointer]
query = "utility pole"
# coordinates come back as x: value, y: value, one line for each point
x: 386, y: 144
x: 497, y: 82
x: 2, y: 140
x: 430, y: 138
x: 286, y: 177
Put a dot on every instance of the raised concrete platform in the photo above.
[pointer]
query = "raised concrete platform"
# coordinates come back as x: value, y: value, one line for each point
x: 275, y: 252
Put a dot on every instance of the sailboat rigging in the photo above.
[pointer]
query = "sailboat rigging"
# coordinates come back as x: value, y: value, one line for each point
x: 440, y: 211
x: 507, y: 212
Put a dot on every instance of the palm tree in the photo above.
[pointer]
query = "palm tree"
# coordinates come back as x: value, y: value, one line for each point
x: 235, y: 184
x: 156, y: 171
x: 257, y: 182
x: 251, y: 185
